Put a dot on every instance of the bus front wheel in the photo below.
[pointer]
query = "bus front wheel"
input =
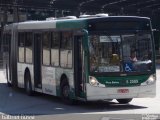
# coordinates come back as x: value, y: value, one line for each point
x: 124, y: 101
x: 65, y: 90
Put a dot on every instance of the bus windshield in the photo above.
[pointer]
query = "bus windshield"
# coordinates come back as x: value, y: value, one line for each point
x: 120, y: 53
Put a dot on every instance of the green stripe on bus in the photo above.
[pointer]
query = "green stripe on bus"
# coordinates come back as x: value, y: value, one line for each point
x: 122, y: 81
x: 71, y: 24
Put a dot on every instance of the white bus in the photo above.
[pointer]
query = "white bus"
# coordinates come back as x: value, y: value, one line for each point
x: 85, y: 59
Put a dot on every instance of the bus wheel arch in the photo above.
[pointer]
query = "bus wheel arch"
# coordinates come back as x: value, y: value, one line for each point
x: 65, y: 90
x: 63, y: 83
x: 27, y: 82
x: 63, y: 80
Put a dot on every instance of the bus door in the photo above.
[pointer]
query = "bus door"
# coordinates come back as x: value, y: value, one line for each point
x: 13, y: 56
x: 37, y: 60
x: 78, y: 63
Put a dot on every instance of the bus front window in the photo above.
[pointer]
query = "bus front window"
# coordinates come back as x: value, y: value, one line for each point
x: 120, y: 53
x: 105, y: 53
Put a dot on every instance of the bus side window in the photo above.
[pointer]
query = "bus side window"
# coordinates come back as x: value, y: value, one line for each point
x: 55, y: 48
x: 21, y: 42
x: 46, y: 48
x: 66, y: 50
x: 28, y: 47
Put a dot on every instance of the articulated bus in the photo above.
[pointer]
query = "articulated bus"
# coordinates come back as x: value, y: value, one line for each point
x: 88, y: 59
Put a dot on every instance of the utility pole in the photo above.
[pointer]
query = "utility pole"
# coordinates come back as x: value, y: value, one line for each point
x: 15, y: 11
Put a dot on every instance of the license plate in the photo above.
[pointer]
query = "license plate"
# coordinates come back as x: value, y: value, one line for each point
x: 123, y: 91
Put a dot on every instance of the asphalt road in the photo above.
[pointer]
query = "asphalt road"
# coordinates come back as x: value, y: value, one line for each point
x: 16, y: 105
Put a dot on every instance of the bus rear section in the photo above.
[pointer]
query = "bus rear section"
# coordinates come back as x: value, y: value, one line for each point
x: 121, y: 59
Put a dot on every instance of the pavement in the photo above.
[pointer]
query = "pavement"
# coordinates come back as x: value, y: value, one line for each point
x: 15, y: 104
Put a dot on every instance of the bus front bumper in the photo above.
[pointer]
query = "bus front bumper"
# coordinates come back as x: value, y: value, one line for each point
x: 104, y: 93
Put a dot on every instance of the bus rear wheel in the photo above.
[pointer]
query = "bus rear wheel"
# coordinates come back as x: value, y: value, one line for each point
x: 28, y: 85
x: 124, y: 101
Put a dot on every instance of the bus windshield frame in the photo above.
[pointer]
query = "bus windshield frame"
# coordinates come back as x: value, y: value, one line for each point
x: 101, y: 34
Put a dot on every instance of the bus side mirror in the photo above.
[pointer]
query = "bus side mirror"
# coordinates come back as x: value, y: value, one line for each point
x: 155, y: 30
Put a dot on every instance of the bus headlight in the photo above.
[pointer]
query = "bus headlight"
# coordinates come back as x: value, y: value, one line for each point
x: 150, y: 80
x: 93, y: 81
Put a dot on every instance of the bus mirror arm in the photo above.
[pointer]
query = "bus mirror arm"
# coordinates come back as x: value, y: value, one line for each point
x: 85, y: 38
x: 85, y: 32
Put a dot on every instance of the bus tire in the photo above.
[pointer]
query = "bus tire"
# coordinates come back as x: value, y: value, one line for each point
x: 65, y: 90
x: 28, y: 85
x: 124, y: 101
